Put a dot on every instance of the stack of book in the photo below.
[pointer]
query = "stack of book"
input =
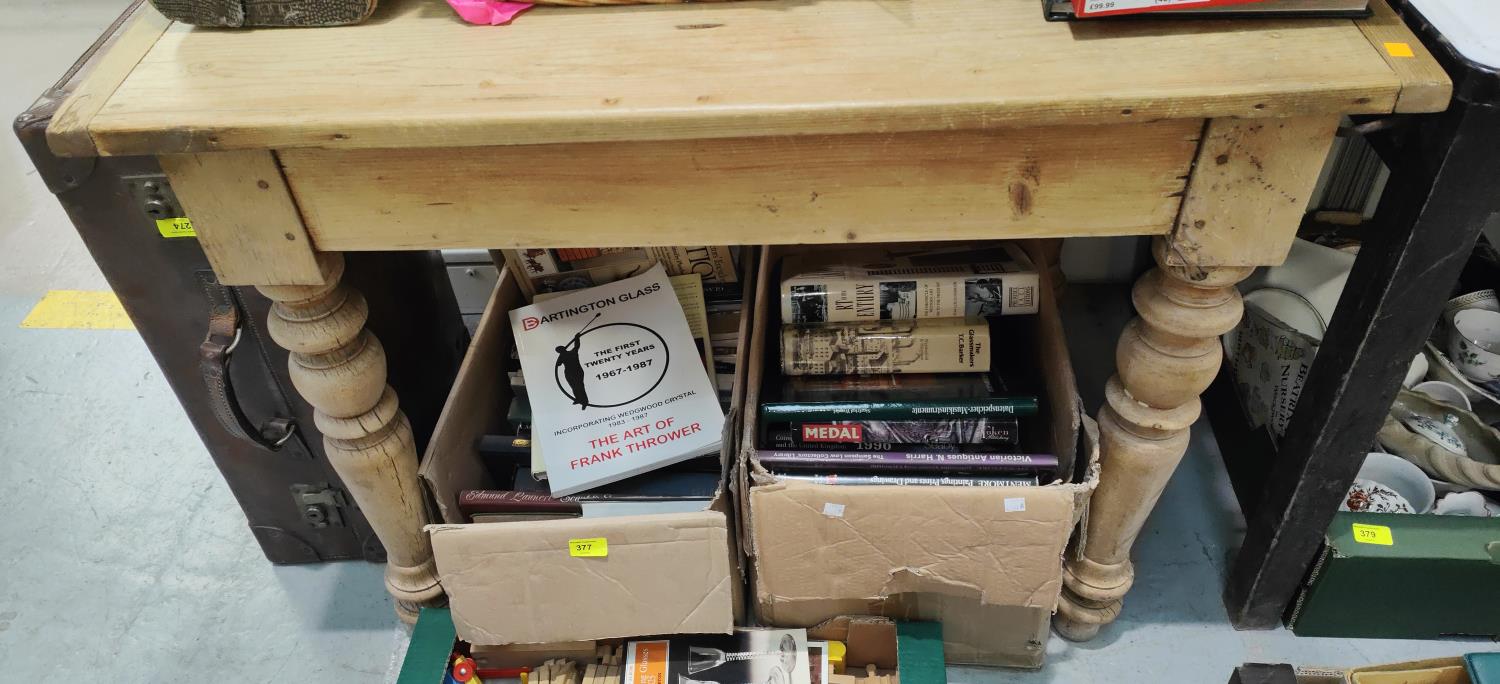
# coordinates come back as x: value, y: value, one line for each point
x: 560, y: 270
x: 887, y: 369
x: 616, y: 392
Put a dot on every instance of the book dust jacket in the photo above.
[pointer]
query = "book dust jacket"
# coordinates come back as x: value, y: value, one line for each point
x: 616, y: 383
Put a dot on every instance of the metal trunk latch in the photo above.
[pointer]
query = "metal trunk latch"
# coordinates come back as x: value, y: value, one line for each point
x: 153, y: 194
x: 321, y: 505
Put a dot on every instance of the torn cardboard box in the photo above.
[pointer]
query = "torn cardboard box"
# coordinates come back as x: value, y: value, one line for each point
x: 984, y: 561
x: 522, y: 582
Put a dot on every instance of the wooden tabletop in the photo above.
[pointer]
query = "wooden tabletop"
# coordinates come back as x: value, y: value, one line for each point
x: 416, y: 76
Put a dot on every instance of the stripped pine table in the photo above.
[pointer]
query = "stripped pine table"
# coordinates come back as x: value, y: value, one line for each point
x: 762, y: 122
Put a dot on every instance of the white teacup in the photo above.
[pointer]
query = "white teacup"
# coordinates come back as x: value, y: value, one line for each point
x: 1474, y: 345
x: 1398, y: 475
x: 1444, y: 392
x: 1482, y: 299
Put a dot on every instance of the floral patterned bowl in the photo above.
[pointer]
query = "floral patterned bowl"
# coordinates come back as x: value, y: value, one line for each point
x: 1474, y: 346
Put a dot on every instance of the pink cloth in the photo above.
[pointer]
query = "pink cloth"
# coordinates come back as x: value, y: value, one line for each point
x: 492, y: 12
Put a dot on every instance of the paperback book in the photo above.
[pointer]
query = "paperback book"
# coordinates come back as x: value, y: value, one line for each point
x: 895, y: 283
x: 615, y: 382
x: 938, y: 345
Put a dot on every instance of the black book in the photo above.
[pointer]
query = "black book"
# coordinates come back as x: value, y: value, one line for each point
x: 893, y: 387
x: 979, y: 434
x: 900, y: 480
x: 908, y: 461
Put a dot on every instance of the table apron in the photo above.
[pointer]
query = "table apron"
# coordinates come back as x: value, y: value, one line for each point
x: 942, y: 185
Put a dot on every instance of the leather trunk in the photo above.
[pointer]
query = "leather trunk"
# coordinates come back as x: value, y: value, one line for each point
x: 238, y: 395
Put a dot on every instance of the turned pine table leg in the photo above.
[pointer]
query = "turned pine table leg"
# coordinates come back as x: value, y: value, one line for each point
x: 1249, y: 187
x: 1166, y: 357
x: 340, y: 368
x: 251, y: 230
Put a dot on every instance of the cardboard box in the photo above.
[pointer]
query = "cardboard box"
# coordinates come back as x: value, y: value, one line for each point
x: 986, y: 562
x: 515, y: 582
x: 1435, y: 671
x: 1386, y: 575
x: 913, y: 650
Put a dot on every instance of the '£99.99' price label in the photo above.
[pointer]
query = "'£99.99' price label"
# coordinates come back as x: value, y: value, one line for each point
x: 1097, y: 7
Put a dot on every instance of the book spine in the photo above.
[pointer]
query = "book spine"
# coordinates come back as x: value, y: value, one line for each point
x: 1109, y: 8
x: 538, y: 262
x: 818, y: 435
x: 876, y: 298
x: 996, y: 407
x: 949, y: 461
x: 576, y: 253
x: 948, y: 345
x: 504, y: 445
x: 723, y: 292
x: 911, y: 480
x: 502, y: 501
x: 714, y: 263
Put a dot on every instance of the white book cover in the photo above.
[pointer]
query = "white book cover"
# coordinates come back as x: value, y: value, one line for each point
x: 902, y: 283
x: 616, y: 383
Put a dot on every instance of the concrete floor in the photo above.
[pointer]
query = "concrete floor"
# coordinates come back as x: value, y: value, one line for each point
x: 125, y: 559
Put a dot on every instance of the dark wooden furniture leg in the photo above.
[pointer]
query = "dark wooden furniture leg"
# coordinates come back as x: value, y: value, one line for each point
x: 1426, y: 225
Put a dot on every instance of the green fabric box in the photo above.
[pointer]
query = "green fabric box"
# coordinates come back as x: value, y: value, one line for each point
x: 431, y: 645
x: 1383, y: 575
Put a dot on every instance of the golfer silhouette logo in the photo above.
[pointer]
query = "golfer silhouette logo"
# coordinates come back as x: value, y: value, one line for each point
x: 626, y: 357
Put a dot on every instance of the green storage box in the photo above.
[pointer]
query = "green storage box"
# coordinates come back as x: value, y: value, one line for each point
x: 1382, y: 575
x: 431, y: 645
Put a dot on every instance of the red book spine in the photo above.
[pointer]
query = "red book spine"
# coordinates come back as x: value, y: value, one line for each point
x: 1105, y: 8
x: 472, y: 501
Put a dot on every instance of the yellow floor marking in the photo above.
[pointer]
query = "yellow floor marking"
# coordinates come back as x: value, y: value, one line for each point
x: 79, y: 310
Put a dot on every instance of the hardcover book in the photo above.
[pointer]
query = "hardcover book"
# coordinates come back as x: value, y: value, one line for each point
x: 1208, y: 9
x: 715, y: 263
x: 511, y: 506
x: 936, y: 345
x: 867, y: 434
x: 823, y: 411
x: 948, y: 462
x: 748, y: 656
x: 895, y: 387
x: 891, y: 283
x: 909, y: 480
x: 615, y: 382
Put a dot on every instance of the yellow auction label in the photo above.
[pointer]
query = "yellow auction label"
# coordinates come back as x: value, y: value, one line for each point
x: 596, y: 547
x: 175, y: 228
x: 1373, y: 534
